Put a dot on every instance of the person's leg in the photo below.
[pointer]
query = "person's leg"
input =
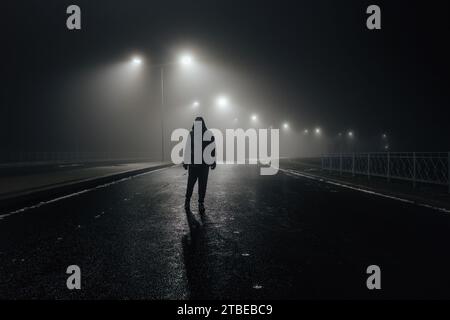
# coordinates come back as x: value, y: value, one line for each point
x: 202, y: 182
x: 192, y: 178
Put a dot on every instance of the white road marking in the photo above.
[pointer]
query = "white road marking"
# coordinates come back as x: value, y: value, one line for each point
x: 71, y: 195
x: 296, y: 173
x: 434, y: 208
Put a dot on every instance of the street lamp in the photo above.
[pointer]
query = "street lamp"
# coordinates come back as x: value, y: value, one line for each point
x: 306, y: 131
x: 186, y: 60
x: 318, y: 131
x: 195, y: 104
x: 222, y: 101
x: 254, y: 117
x: 136, y: 61
x: 286, y: 125
x: 350, y: 134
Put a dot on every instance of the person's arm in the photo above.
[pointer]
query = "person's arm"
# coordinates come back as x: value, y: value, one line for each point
x: 213, y: 153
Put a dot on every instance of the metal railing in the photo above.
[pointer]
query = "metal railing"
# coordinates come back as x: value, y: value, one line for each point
x: 417, y: 167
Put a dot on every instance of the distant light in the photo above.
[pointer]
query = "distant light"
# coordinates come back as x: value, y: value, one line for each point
x: 350, y: 134
x: 318, y: 131
x: 286, y: 125
x: 186, y: 60
x: 222, y: 101
x: 306, y: 131
x: 254, y: 117
x: 196, y: 104
x: 384, y: 136
x: 386, y: 147
x: 136, y: 60
x: 235, y: 120
x: 340, y: 134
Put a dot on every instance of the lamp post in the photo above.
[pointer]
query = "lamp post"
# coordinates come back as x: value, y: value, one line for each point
x: 162, y: 113
x: 185, y: 60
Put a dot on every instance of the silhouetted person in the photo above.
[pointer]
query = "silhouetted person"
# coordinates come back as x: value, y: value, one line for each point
x: 197, y: 161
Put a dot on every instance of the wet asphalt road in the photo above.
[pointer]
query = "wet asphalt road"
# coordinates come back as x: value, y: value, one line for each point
x: 282, y: 237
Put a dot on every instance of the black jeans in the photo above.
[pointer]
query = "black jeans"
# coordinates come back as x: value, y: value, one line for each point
x: 199, y: 172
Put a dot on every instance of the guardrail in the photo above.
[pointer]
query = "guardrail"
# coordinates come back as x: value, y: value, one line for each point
x: 417, y: 167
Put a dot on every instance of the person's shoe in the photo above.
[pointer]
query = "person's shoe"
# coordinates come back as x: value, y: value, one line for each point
x: 187, y: 204
x: 201, y: 207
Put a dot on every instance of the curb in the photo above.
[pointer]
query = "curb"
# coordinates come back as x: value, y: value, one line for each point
x: 34, y: 196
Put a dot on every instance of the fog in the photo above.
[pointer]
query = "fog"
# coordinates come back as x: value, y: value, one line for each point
x: 306, y: 64
x: 116, y: 108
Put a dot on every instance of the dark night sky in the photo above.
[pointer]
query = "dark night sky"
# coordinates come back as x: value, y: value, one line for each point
x: 313, y: 62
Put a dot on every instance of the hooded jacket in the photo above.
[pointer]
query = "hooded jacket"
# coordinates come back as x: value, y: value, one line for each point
x: 206, y: 140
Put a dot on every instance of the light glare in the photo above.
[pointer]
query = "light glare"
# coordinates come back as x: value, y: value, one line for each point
x: 222, y: 101
x: 186, y: 60
x: 136, y: 61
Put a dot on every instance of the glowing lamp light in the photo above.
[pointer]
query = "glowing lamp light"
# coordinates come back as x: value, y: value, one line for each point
x: 186, y: 60
x: 222, y: 101
x: 136, y: 61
